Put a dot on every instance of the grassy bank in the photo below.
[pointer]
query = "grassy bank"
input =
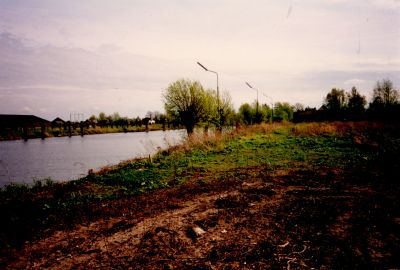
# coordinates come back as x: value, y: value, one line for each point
x: 314, y: 155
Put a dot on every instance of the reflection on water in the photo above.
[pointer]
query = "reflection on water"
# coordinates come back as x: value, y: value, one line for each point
x: 70, y: 158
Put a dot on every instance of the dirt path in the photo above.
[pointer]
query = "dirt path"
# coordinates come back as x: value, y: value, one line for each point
x: 283, y: 221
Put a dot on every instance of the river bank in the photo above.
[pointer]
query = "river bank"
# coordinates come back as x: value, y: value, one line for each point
x: 64, y: 132
x: 286, y: 196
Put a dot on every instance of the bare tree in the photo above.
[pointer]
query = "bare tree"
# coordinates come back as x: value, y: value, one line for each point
x: 385, y: 94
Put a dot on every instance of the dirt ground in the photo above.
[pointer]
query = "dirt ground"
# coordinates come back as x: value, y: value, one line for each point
x: 257, y: 219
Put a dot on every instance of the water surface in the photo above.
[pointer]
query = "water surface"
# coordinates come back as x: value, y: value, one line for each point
x: 70, y: 158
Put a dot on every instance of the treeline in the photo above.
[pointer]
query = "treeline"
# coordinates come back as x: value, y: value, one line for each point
x: 189, y: 104
x: 342, y: 105
x: 115, y: 120
x: 338, y: 105
x: 104, y: 123
x: 257, y: 113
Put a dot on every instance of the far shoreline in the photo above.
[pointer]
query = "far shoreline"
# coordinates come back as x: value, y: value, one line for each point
x: 91, y: 131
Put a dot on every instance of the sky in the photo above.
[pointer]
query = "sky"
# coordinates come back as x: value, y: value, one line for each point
x: 64, y: 57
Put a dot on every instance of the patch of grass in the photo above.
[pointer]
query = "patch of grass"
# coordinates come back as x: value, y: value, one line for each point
x: 330, y: 145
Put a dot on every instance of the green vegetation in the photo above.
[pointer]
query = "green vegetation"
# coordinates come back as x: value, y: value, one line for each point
x: 277, y: 147
x: 338, y: 105
x: 189, y: 104
x: 28, y: 211
x: 341, y: 105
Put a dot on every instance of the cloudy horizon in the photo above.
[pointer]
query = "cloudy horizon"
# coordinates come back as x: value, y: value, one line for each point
x: 62, y: 57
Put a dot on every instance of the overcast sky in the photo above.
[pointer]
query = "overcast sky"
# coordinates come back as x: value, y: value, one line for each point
x: 61, y: 57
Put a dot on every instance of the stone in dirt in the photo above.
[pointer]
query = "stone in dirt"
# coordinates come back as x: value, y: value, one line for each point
x: 195, y: 232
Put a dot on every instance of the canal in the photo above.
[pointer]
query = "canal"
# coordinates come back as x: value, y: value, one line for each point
x: 67, y: 158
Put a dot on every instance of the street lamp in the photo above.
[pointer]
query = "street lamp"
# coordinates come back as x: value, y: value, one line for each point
x: 206, y: 69
x: 257, y: 99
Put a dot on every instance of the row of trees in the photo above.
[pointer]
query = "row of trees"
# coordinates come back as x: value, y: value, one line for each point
x: 341, y: 105
x: 189, y: 104
x: 256, y: 113
x: 115, y: 120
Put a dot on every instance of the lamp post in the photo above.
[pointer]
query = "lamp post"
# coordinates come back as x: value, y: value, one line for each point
x: 206, y: 69
x: 257, y: 99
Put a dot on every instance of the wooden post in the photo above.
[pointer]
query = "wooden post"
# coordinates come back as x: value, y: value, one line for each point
x: 81, y: 126
x: 42, y: 131
x: 25, y: 131
x: 69, y: 129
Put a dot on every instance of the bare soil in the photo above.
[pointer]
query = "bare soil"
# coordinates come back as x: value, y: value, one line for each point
x: 256, y: 219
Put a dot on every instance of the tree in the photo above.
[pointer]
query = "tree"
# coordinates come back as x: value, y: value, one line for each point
x: 283, y: 111
x: 298, y: 107
x: 115, y: 117
x: 102, y: 119
x: 93, y: 118
x: 102, y: 116
x: 258, y: 117
x: 385, y: 101
x: 265, y: 112
x: 138, y: 121
x: 385, y: 94
x: 150, y: 115
x: 249, y: 114
x: 356, y: 104
x: 218, y: 116
x: 226, y: 110
x: 157, y: 116
x: 110, y: 121
x: 335, y: 100
x: 246, y: 114
x: 186, y: 101
x: 335, y: 103
x: 210, y: 115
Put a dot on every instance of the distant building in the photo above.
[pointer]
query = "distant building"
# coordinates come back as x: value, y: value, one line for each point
x: 57, y: 123
x: 14, y: 121
x: 16, y: 126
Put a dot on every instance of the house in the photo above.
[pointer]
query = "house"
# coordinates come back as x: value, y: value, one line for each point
x: 26, y: 126
x: 15, y: 121
x: 57, y: 123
